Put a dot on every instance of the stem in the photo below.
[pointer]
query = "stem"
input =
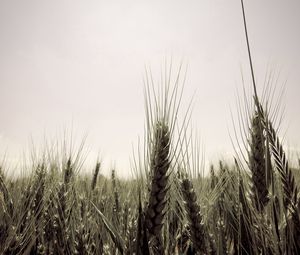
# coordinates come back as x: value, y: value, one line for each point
x: 249, y: 52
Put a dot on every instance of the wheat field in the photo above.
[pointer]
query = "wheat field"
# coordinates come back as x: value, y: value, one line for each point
x: 170, y: 206
x: 250, y: 205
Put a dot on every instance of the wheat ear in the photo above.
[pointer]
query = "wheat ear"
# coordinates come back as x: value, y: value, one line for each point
x: 194, y: 216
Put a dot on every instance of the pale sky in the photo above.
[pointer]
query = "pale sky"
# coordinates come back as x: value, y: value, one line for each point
x: 81, y: 64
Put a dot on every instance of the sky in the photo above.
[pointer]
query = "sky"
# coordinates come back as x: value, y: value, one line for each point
x: 79, y: 65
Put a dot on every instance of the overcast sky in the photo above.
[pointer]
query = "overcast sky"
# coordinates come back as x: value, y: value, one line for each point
x: 81, y: 64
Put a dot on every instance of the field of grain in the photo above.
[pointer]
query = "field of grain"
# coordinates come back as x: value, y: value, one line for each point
x: 170, y: 206
x: 250, y: 205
